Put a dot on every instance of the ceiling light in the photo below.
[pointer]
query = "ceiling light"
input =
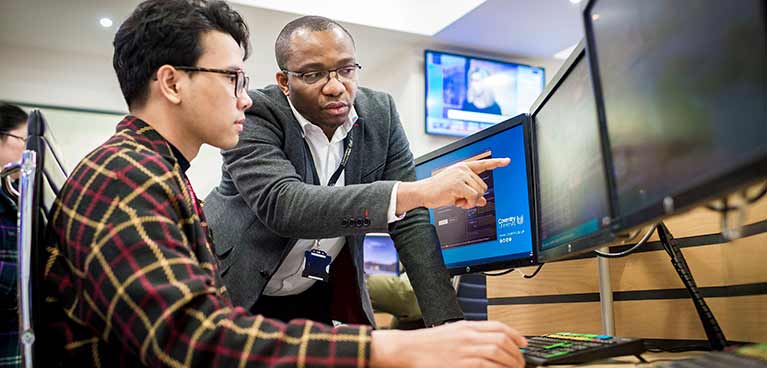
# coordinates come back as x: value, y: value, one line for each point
x: 105, y: 22
x: 595, y: 17
x: 398, y: 15
x: 575, y: 1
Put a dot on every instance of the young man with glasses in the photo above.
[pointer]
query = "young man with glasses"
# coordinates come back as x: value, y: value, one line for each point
x: 320, y: 163
x: 131, y: 278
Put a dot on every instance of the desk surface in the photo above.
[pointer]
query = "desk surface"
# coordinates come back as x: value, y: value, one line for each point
x: 653, y: 360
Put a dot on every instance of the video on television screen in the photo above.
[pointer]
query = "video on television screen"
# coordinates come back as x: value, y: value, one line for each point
x: 499, y: 231
x: 465, y: 94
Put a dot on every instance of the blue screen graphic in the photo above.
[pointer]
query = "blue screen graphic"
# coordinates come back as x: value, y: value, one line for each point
x: 501, y: 230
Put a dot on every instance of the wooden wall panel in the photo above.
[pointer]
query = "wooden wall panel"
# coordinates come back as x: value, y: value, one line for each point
x: 532, y: 319
x: 738, y: 262
x: 570, y: 277
x: 742, y: 318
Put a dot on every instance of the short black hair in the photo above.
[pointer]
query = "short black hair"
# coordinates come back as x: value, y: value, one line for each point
x: 161, y: 32
x: 312, y: 23
x: 11, y: 117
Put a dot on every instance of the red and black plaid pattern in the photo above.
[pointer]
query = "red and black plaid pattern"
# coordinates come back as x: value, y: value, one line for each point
x: 131, y: 279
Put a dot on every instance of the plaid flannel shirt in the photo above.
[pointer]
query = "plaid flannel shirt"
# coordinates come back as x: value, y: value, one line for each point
x: 132, y: 280
x: 9, y: 318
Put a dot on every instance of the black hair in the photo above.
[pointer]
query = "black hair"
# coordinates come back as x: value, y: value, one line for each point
x: 168, y: 32
x: 312, y: 23
x: 11, y: 117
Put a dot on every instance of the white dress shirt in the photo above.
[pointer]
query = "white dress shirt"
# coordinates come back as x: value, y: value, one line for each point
x: 327, y: 155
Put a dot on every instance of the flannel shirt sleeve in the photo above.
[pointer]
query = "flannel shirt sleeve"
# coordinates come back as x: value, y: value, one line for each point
x: 144, y: 290
x: 8, y: 275
x: 8, y: 260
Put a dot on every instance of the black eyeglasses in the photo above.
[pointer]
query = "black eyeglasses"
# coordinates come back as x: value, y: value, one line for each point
x: 241, y: 81
x: 346, y: 73
x: 23, y: 139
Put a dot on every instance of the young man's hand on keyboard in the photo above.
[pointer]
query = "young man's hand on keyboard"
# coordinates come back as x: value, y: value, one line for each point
x: 461, y: 344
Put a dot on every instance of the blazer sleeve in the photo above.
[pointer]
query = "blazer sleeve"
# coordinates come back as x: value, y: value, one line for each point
x: 268, y: 182
x: 148, y: 293
x: 416, y: 239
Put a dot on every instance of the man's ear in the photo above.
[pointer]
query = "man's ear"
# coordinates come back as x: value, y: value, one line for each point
x: 282, y: 82
x: 168, y: 79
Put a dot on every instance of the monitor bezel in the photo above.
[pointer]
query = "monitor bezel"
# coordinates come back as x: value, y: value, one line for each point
x: 687, y: 197
x: 585, y: 243
x: 524, y: 121
x: 426, y: 85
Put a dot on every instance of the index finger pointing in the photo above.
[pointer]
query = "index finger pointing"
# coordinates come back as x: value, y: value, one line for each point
x: 487, y: 164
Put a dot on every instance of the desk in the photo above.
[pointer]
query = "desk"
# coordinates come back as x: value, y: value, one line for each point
x: 631, y: 361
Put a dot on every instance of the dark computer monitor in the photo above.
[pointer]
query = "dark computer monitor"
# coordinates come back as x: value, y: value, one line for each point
x: 380, y: 255
x: 681, y: 90
x: 572, y: 197
x: 500, y: 234
x: 465, y: 94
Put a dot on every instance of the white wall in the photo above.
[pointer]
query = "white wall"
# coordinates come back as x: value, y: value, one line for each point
x: 82, y: 80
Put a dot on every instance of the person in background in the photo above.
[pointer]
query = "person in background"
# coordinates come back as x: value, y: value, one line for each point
x: 394, y: 295
x: 480, y: 96
x: 13, y: 132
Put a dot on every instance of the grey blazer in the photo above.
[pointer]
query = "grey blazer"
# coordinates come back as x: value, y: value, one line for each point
x: 267, y: 200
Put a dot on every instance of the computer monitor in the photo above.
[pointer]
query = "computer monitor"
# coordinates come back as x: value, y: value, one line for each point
x: 380, y: 255
x: 681, y: 90
x: 572, y: 197
x: 500, y: 234
x: 465, y: 94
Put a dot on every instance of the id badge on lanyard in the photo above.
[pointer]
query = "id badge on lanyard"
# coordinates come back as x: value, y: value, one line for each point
x: 317, y: 264
x: 316, y: 261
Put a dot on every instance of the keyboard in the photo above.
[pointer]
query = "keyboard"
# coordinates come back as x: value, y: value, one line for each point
x: 575, y: 348
x: 750, y: 356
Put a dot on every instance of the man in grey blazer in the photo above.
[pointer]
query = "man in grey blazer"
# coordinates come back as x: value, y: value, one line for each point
x: 320, y: 163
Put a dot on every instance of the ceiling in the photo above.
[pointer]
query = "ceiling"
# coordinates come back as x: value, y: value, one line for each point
x: 524, y: 28
x: 512, y: 28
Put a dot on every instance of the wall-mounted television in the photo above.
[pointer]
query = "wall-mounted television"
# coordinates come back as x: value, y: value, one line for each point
x: 465, y: 94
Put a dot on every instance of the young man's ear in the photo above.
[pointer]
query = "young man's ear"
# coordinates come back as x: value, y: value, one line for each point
x: 168, y: 80
x: 282, y: 82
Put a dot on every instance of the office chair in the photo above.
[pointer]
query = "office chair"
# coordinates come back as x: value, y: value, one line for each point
x: 42, y: 175
x: 472, y: 296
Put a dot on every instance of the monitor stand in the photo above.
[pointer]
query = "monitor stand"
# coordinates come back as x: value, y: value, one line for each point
x: 713, y: 332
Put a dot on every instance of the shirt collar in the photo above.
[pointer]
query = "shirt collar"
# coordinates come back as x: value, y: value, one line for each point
x: 306, y: 124
x: 182, y: 161
x: 146, y: 135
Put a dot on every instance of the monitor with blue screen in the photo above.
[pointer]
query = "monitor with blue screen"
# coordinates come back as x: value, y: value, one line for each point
x: 466, y: 94
x: 500, y: 234
x: 380, y: 255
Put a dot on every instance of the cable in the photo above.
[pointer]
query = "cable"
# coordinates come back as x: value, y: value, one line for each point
x: 510, y: 270
x: 631, y: 237
x: 632, y: 249
x: 530, y: 276
x: 749, y: 200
